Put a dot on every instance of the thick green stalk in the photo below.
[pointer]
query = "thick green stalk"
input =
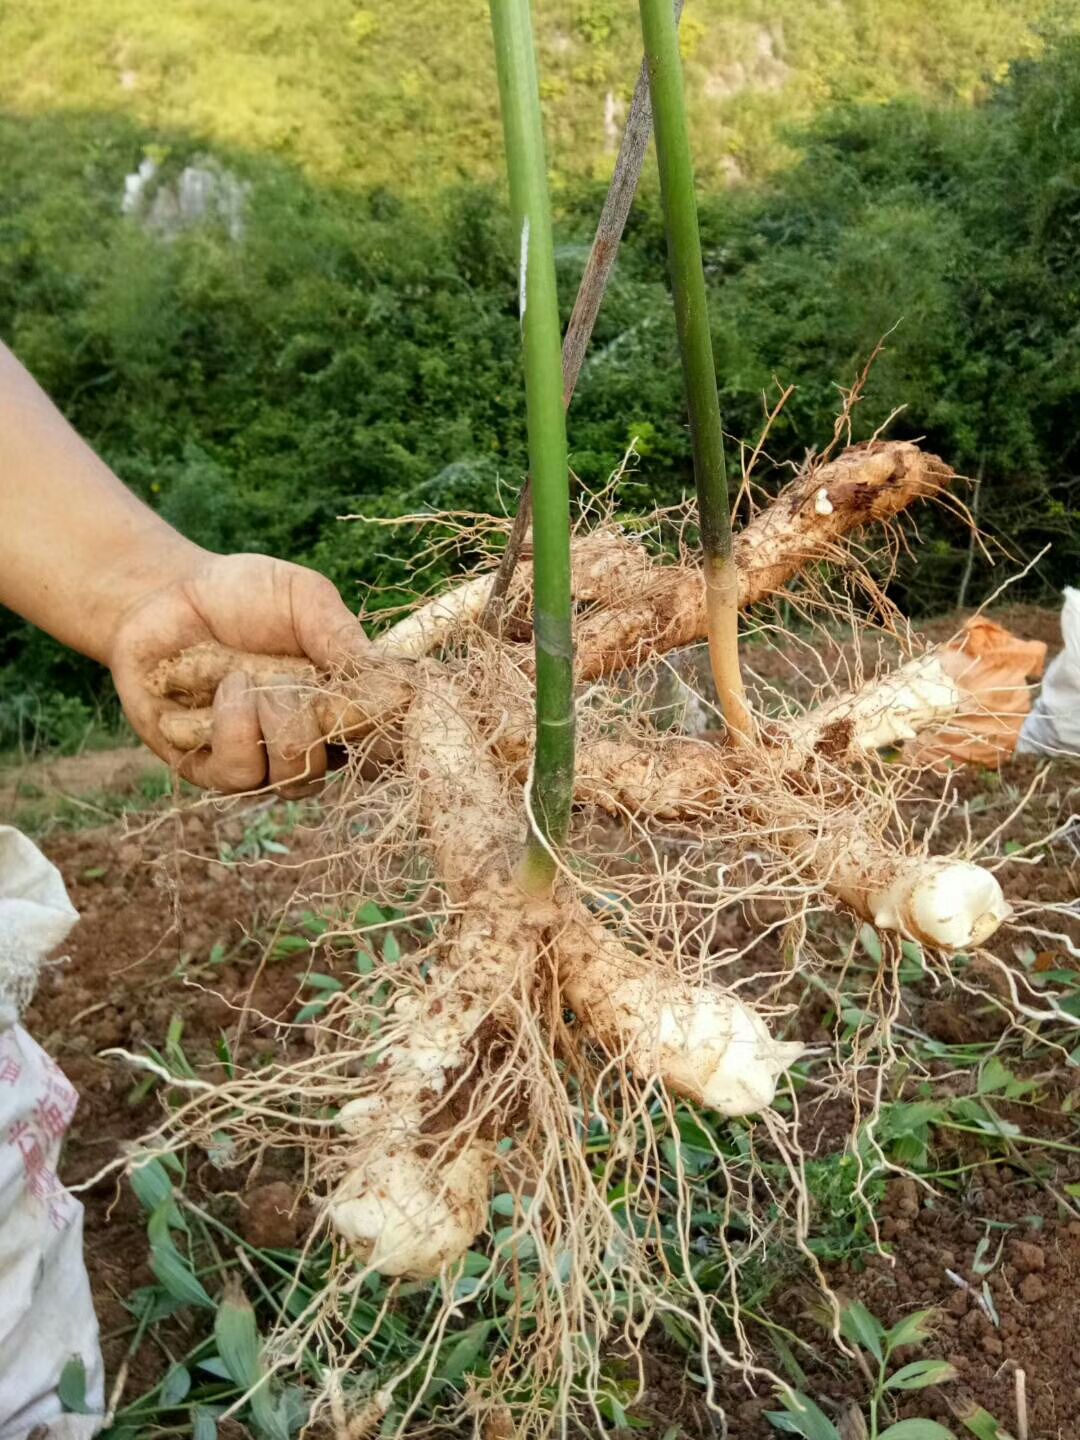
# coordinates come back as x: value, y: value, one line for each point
x: 695, y: 344
x: 553, y: 774
x: 594, y: 279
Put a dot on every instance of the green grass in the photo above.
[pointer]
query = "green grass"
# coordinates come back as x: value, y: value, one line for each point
x: 39, y: 813
x: 876, y: 1345
x: 405, y: 96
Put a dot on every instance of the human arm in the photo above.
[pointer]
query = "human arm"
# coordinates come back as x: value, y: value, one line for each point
x: 87, y: 561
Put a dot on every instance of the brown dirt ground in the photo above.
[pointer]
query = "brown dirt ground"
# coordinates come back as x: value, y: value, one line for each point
x: 156, y: 900
x: 1033, y: 1289
x: 118, y: 768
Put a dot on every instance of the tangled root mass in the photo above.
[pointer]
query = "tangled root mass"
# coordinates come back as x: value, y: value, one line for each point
x: 505, y: 1105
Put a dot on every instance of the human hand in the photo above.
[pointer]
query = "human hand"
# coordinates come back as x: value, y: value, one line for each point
x: 262, y: 734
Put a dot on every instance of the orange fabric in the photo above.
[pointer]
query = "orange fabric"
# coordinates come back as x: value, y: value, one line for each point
x: 993, y: 668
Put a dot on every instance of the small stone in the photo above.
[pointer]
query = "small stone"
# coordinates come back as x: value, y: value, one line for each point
x: 957, y: 1303
x: 1028, y: 1258
x: 992, y: 1345
x: 1032, y: 1289
x: 270, y: 1219
x: 903, y: 1197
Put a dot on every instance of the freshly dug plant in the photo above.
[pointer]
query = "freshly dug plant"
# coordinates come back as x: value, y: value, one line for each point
x: 791, y: 795
x: 573, y: 1001
x: 687, y: 270
x: 475, y: 1068
x: 399, y: 1203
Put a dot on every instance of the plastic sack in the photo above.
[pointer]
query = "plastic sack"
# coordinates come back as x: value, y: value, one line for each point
x: 47, y: 1316
x: 1053, y: 727
x: 993, y: 669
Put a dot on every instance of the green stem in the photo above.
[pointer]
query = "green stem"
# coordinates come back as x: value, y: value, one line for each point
x: 875, y: 1400
x: 553, y: 774
x: 661, y: 39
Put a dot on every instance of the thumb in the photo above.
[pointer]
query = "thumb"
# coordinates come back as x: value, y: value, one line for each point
x: 328, y: 632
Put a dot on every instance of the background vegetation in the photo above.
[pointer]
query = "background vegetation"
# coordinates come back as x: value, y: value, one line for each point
x: 906, y: 168
x: 382, y: 94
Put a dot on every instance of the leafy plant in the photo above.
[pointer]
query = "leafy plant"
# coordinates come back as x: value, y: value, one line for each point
x: 262, y: 832
x: 802, y: 1416
x: 844, y: 1195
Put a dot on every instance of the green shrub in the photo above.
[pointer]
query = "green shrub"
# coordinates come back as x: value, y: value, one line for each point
x: 358, y: 353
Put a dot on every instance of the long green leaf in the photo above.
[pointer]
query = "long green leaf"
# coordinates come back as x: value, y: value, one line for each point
x: 984, y: 1426
x: 175, y: 1386
x: 169, y: 1266
x: 921, y: 1373
x: 857, y: 1324
x: 173, y: 1272
x: 911, y: 1330
x: 917, y: 1430
x: 803, y: 1418
x: 71, y: 1387
x: 240, y: 1348
x: 203, y: 1424
x: 152, y: 1186
x: 465, y: 1352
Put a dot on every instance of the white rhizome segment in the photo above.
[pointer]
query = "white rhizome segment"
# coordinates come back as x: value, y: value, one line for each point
x: 697, y: 1040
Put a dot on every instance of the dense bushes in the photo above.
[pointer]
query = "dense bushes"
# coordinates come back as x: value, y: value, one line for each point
x: 405, y: 96
x: 359, y: 353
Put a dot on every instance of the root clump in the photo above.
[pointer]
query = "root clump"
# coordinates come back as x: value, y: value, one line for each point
x: 533, y: 1051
